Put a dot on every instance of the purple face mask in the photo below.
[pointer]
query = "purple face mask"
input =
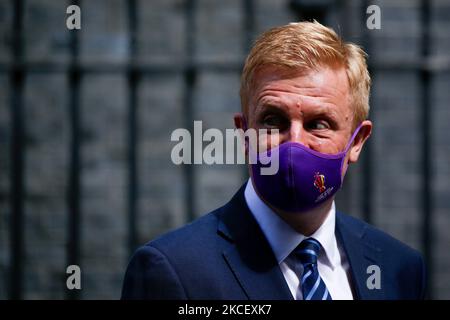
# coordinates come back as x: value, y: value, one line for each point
x: 305, y: 178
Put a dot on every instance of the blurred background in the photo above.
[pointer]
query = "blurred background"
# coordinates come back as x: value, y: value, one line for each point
x: 86, y: 117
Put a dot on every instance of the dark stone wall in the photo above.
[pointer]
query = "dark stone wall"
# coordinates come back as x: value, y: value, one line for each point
x: 219, y: 38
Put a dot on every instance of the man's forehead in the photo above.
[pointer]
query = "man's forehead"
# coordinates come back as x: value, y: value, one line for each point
x: 324, y: 78
x: 275, y: 72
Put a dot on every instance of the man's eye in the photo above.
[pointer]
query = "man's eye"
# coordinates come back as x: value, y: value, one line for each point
x: 318, y: 125
x: 273, y: 121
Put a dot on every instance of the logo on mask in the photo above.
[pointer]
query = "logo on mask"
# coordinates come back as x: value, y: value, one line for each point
x: 319, y: 182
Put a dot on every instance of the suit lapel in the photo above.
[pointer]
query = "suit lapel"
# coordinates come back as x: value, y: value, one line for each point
x: 248, y: 253
x: 250, y: 257
x: 360, y: 254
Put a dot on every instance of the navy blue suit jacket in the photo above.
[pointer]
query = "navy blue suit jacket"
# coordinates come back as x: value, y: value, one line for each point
x: 225, y: 255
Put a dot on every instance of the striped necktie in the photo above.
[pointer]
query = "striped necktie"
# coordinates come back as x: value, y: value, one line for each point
x: 313, y: 287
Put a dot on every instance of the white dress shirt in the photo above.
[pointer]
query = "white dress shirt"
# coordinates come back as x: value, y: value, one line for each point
x: 332, y: 262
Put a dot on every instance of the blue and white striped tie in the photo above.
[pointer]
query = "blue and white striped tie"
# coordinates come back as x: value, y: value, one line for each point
x: 313, y: 287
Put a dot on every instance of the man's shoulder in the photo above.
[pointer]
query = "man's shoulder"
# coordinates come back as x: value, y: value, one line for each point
x: 379, y: 239
x: 200, y: 235
x: 194, y: 235
x: 404, y: 271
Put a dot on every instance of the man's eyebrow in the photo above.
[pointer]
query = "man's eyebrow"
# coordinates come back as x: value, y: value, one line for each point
x: 318, y: 109
x: 323, y: 109
x: 266, y: 109
x: 266, y: 103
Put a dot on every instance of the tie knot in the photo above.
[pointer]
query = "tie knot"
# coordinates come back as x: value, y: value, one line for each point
x: 308, y: 251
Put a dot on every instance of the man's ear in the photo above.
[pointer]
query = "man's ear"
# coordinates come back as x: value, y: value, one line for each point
x: 363, y: 134
x: 239, y: 121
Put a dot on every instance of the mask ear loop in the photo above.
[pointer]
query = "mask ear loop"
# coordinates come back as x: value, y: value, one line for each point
x: 349, y: 144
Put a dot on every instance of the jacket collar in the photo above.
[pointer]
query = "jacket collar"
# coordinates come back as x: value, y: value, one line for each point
x: 361, y: 254
x: 248, y: 253
x: 252, y: 261
x: 283, y: 239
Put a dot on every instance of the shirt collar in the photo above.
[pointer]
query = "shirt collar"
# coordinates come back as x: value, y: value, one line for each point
x: 282, y: 238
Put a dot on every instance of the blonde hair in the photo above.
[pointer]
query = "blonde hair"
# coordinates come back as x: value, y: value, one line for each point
x: 307, y: 46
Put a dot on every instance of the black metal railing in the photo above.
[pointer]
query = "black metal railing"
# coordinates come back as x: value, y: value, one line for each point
x: 17, y: 74
x: 74, y: 183
x: 426, y: 156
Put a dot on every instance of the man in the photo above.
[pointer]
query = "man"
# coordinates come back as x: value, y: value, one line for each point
x: 280, y: 236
